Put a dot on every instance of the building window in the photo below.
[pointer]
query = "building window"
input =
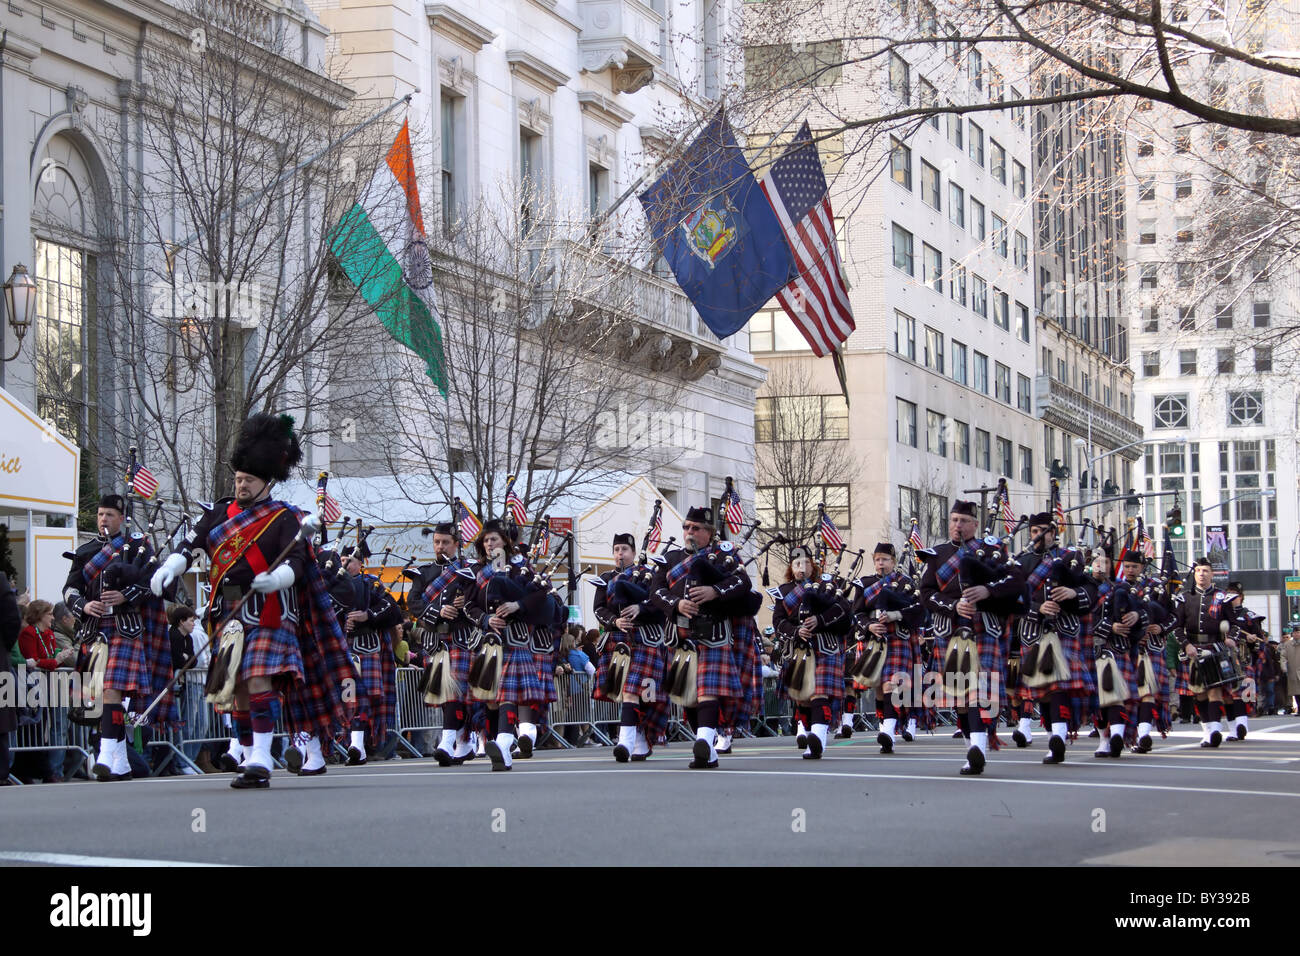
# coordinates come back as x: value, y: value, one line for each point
x: 977, y: 219
x: 770, y: 330
x: 530, y: 177
x: 1263, y: 358
x: 900, y: 163
x: 955, y: 122
x: 929, y: 100
x: 1170, y: 411
x: 453, y: 124
x: 900, y: 82
x: 975, y: 144
x: 934, y: 433
x: 932, y: 267
x: 909, y: 506
x: 1018, y: 180
x: 1183, y: 188
x: 903, y: 259
x: 777, y: 503
x: 66, y: 326
x: 801, y: 418
x: 1026, y: 465
x: 983, y: 453
x: 1001, y: 309
x: 1022, y: 322
x: 1151, y: 319
x: 1263, y: 314
x: 961, y: 442
x: 998, y: 161
x: 981, y: 373
x: 1187, y: 318
x: 1223, y: 316
x: 926, y: 20
x: 1000, y: 235
x: 1187, y: 361
x: 1172, y: 460
x: 958, y: 362
x: 1150, y: 364
x: 1022, y: 393
x: 906, y: 423
x: 933, y: 349
x: 975, y: 67
x: 979, y: 297
x: 905, y: 335
x: 1148, y: 278
x: 1002, y: 382
x: 1147, y: 189
x: 597, y: 189
x: 1147, y: 233
x: 936, y: 517
x: 1004, y: 458
x: 1245, y: 456
x: 930, y: 185
x: 1227, y: 361
x: 956, y: 205
x: 1022, y: 253
x: 957, y: 283
x: 1245, y: 408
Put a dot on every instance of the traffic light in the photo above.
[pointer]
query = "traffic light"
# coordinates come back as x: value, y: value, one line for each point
x: 1174, y: 522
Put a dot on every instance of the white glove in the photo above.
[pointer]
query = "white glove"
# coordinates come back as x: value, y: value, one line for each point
x: 277, y: 580
x: 311, y: 524
x: 893, y: 616
x: 171, y: 569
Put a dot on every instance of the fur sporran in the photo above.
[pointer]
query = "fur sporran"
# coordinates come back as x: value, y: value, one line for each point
x: 1112, y: 689
x: 437, y: 683
x: 620, y: 659
x: 961, y: 664
x: 1043, y: 662
x: 869, y: 668
x: 86, y: 713
x: 800, y: 673
x: 223, y: 671
x: 485, y: 671
x: 682, y: 671
x: 1146, y: 677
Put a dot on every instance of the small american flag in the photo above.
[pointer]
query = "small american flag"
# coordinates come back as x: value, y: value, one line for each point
x: 1147, y: 544
x: 817, y: 299
x: 655, y: 531
x: 544, y: 539
x: 1008, y: 519
x: 143, y: 481
x: 514, y: 504
x: 831, y: 534
x: 734, y: 514
x: 914, y: 539
x: 1059, y: 514
x: 470, y: 526
x: 330, y: 510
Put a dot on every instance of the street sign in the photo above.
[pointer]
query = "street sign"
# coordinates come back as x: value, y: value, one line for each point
x: 1293, y: 587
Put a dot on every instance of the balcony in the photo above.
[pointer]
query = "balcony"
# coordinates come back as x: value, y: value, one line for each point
x: 1058, y: 404
x: 623, y: 36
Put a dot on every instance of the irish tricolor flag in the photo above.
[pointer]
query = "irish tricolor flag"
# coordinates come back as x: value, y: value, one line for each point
x: 380, y: 245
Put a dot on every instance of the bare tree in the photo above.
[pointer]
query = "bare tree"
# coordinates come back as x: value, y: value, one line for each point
x: 217, y: 283
x: 553, y: 374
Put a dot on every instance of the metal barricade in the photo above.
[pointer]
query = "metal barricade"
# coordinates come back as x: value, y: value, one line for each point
x: 414, y: 716
x: 43, y: 720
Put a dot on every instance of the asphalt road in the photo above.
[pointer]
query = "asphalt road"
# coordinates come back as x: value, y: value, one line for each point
x: 1179, y: 805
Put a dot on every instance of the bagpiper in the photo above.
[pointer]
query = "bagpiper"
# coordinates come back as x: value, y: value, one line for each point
x: 970, y: 590
x: 107, y: 588
x: 633, y: 656
x: 703, y: 591
x: 889, y: 609
x: 369, y: 625
x: 1249, y: 636
x: 1203, y: 624
x: 1152, y: 665
x: 1119, y: 628
x: 812, y: 619
x: 291, y: 639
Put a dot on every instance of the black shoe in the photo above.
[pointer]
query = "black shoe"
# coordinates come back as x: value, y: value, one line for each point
x: 355, y: 757
x: 974, y: 763
x: 496, y: 756
x: 1095, y: 733
x: 886, y: 742
x: 701, y: 753
x: 525, y: 747
x: 102, y: 772
x: 621, y: 753
x: 1216, y: 738
x: 958, y: 734
x: 1116, y: 745
x: 228, y: 763
x: 293, y: 760
x: 1020, y: 739
x: 444, y: 759
x: 801, y: 741
x: 719, y: 750
x: 1241, y: 732
x: 1144, y: 744
x: 638, y: 758
x: 251, y: 781
x: 908, y: 737
x: 814, y: 748
x: 1056, y: 746
x: 844, y: 733
x: 312, y: 773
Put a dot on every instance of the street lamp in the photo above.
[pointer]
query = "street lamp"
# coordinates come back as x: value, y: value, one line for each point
x: 1092, y: 462
x: 20, y: 304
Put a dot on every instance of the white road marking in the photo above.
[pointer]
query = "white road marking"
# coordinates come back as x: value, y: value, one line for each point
x: 70, y: 859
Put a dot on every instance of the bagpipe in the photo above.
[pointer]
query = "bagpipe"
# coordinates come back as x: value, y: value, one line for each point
x: 799, y: 669
x: 630, y: 587
x: 1042, y: 659
x: 897, y: 596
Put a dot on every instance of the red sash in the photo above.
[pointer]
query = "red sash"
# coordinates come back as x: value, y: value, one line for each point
x: 243, y: 544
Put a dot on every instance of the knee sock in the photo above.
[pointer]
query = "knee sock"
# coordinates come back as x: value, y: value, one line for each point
x: 1116, y: 714
x: 243, y: 728
x: 628, y: 716
x: 453, y: 715
x: 493, y: 722
x: 112, y: 722
x: 1213, y: 711
x: 1185, y: 707
x: 708, y: 714
x: 692, y: 715
x: 885, y: 709
x: 261, y: 720
x: 821, y: 711
x: 508, y: 719
x: 1146, y: 713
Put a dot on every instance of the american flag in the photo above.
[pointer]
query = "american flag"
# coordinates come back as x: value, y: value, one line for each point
x: 817, y: 299
x: 655, y: 531
x: 544, y: 539
x: 1059, y: 513
x: 734, y: 514
x: 914, y: 539
x: 831, y: 534
x: 1008, y: 519
x: 515, y: 505
x: 330, y: 510
x: 1147, y: 544
x: 470, y: 526
x: 143, y: 481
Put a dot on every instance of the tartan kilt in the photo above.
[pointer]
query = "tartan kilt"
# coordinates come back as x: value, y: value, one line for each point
x: 991, y: 646
x: 649, y: 667
x: 128, y: 668
x: 520, y: 678
x: 749, y: 663
x: 545, y: 662
x: 1159, y: 672
x: 899, y: 658
x: 379, y: 689
x: 828, y: 679
x: 1233, y: 691
x: 1083, y: 677
x: 269, y: 652
x: 459, y: 658
x: 717, y: 674
x: 1183, y: 678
